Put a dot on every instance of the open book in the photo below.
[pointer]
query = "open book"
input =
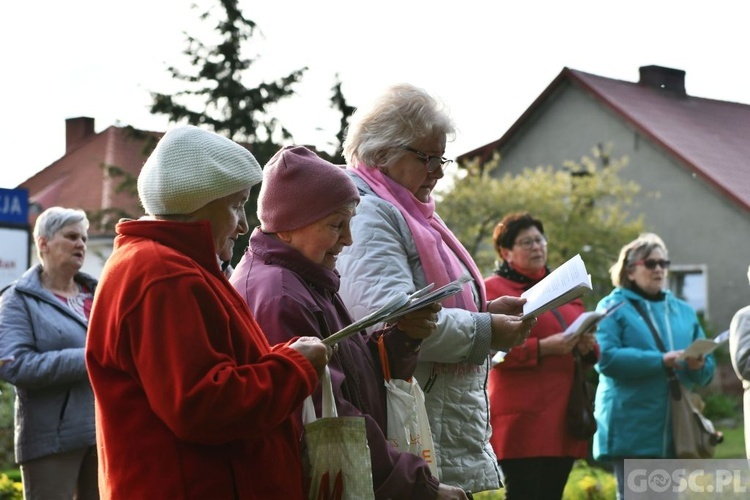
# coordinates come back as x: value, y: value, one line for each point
x: 701, y: 347
x: 399, y: 306
x: 588, y: 320
x: 566, y: 283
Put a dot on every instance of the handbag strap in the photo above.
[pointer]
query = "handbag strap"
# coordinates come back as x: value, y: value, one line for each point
x: 674, y: 384
x: 564, y: 324
x: 384, y: 365
x: 559, y: 317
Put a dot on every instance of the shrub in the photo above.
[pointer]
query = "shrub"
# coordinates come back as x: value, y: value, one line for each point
x: 7, y: 396
x: 9, y: 489
x: 584, y: 483
x: 589, y: 483
x: 720, y: 406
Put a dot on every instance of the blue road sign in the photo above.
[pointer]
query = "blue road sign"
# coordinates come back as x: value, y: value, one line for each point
x: 14, y: 206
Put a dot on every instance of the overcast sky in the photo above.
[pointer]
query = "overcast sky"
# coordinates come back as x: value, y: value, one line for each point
x: 486, y: 60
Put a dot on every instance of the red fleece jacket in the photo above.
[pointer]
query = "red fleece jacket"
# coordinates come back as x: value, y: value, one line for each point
x: 191, y: 401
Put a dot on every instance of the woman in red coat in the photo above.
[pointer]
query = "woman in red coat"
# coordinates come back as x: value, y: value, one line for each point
x: 529, y: 389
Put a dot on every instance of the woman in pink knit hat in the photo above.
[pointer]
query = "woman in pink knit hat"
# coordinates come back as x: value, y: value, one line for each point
x: 288, y: 278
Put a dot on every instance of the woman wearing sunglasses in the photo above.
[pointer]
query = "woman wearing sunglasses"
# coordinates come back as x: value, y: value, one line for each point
x: 632, y: 398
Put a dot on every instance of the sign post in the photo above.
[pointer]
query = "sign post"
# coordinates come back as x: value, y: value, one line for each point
x: 15, y: 236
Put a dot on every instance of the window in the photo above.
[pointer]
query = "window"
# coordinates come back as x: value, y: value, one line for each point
x: 690, y: 283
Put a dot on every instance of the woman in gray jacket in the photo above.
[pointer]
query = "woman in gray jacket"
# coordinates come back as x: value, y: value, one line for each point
x: 43, y: 321
x: 394, y: 152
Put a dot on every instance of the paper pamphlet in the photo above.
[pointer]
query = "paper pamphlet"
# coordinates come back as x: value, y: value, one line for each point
x: 701, y: 347
x: 566, y: 283
x: 498, y: 358
x: 588, y: 320
x: 400, y: 305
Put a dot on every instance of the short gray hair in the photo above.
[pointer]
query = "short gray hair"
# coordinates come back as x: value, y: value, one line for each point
x: 636, y: 250
x: 53, y: 219
x: 399, y: 117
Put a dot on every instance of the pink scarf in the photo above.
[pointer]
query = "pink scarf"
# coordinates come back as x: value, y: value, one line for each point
x: 440, y: 252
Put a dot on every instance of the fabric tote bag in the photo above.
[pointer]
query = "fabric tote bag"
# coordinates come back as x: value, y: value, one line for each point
x: 337, y: 459
x: 408, y: 424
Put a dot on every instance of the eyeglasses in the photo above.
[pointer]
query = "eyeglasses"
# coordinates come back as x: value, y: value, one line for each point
x: 528, y: 243
x: 651, y: 264
x: 432, y: 162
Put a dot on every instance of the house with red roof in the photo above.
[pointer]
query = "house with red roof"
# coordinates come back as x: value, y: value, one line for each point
x: 690, y: 155
x: 92, y: 175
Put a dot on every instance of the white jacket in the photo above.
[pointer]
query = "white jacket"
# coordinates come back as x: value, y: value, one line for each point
x: 454, y: 361
x: 739, y: 351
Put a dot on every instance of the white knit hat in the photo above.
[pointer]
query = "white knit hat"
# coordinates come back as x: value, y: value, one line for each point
x: 190, y: 168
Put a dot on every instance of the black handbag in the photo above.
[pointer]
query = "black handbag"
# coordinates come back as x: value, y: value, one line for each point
x: 579, y: 414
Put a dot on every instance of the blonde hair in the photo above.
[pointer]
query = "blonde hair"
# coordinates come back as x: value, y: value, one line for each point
x: 636, y: 250
x: 402, y: 115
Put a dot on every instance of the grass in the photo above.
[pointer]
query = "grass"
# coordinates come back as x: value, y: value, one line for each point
x: 734, y: 443
x: 594, y: 483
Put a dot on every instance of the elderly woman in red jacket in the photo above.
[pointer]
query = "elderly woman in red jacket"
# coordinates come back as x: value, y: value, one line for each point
x: 529, y: 389
x: 191, y: 400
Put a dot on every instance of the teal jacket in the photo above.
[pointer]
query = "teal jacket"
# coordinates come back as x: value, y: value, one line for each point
x: 632, y: 398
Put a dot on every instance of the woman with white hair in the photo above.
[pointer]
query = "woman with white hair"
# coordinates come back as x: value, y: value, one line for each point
x: 43, y: 321
x: 394, y: 150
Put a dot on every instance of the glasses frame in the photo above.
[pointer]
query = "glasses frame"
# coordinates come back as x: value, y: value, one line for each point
x: 429, y: 162
x: 651, y: 264
x: 528, y: 243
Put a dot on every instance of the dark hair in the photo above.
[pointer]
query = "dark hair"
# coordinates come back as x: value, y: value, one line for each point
x: 506, y: 231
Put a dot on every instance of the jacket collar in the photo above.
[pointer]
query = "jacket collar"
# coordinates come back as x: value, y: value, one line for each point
x: 30, y: 283
x: 274, y: 252
x: 638, y: 294
x: 193, y: 239
x: 504, y: 270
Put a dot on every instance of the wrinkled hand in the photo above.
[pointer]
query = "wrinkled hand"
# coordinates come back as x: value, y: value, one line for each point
x: 447, y: 492
x: 557, y: 344
x: 586, y: 343
x: 512, y: 306
x: 670, y: 358
x: 421, y: 323
x: 695, y: 363
x: 315, y: 351
x: 509, y: 331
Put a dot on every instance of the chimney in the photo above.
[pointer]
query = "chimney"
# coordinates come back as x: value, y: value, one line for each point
x: 659, y: 77
x: 76, y: 130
